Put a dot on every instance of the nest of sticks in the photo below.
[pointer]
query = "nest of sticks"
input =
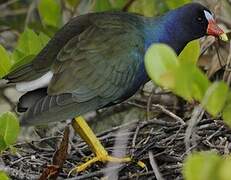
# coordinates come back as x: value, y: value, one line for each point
x: 162, y: 143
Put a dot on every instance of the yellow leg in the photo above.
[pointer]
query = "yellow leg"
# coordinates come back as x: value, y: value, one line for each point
x: 85, y: 132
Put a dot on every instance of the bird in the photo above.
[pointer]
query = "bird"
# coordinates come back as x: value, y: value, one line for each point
x: 96, y: 60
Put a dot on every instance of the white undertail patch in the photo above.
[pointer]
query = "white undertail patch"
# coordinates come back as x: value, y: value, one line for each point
x: 35, y: 84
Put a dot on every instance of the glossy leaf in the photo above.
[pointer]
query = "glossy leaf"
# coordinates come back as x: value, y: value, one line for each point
x: 160, y: 61
x: 3, y: 176
x: 102, y: 5
x: 50, y: 12
x: 200, y: 84
x: 191, y: 52
x: 118, y: 4
x: 43, y: 38
x: 190, y: 82
x: 176, y: 3
x: 5, y: 62
x: 28, y: 46
x: 226, y: 114
x: 215, y: 98
x: 144, y: 7
x: 9, y: 128
x: 201, y: 166
x: 224, y: 172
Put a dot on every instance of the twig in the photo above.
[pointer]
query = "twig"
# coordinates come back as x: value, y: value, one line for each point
x: 17, y: 174
x: 14, y: 13
x: 196, y: 117
x: 154, y: 166
x: 7, y: 3
x: 127, y: 5
x: 149, y: 104
x: 174, y: 116
x: 95, y: 174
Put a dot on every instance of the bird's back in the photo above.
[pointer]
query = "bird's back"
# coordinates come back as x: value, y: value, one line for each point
x: 95, y: 60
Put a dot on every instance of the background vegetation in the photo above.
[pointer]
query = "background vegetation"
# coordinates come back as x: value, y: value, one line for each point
x: 26, y: 26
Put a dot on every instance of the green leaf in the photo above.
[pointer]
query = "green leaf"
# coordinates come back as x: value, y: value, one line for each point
x: 3, y: 144
x: 3, y: 176
x: 176, y: 3
x: 28, y: 44
x: 224, y: 170
x: 144, y: 7
x: 190, y: 82
x: 160, y: 61
x: 102, y: 5
x: 200, y: 84
x: 9, y: 128
x: 118, y: 4
x: 226, y: 114
x: 191, y: 52
x: 43, y: 39
x: 6, y: 63
x: 201, y: 166
x: 215, y: 98
x: 50, y: 12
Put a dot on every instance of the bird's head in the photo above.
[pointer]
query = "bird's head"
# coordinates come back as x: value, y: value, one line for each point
x: 198, y: 21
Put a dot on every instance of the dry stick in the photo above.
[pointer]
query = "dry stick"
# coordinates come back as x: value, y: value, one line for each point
x: 224, y: 20
x: 7, y: 3
x: 149, y: 104
x: 13, y: 173
x: 163, y: 109
x: 127, y: 5
x: 215, y: 133
x: 197, y: 115
x: 219, y: 56
x: 227, y: 69
x: 154, y: 166
x: 174, y: 116
x: 95, y: 174
x: 134, y: 139
x: 14, y: 13
x: 31, y: 8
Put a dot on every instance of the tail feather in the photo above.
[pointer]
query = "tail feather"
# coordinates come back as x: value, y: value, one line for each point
x: 24, y: 73
x: 30, y: 98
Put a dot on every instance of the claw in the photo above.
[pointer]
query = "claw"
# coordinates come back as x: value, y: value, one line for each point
x: 104, y: 159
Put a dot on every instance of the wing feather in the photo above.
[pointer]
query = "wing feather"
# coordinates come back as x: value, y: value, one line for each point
x: 102, y: 61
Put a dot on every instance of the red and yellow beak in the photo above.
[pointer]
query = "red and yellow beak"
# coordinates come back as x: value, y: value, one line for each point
x: 214, y: 30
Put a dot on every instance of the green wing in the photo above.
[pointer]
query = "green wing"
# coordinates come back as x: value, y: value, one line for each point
x: 100, y: 62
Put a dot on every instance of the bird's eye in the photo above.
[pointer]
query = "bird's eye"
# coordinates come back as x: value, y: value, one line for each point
x: 199, y: 19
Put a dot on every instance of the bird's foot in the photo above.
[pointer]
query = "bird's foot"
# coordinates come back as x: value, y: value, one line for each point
x: 101, y: 155
x: 105, y: 159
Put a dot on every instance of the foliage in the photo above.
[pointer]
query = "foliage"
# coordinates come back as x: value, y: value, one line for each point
x: 177, y: 3
x: 51, y: 17
x: 9, y: 130
x: 191, y: 52
x: 207, y: 166
x: 179, y: 74
x: 28, y: 46
x: 3, y: 176
x: 184, y: 78
x: 6, y: 62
